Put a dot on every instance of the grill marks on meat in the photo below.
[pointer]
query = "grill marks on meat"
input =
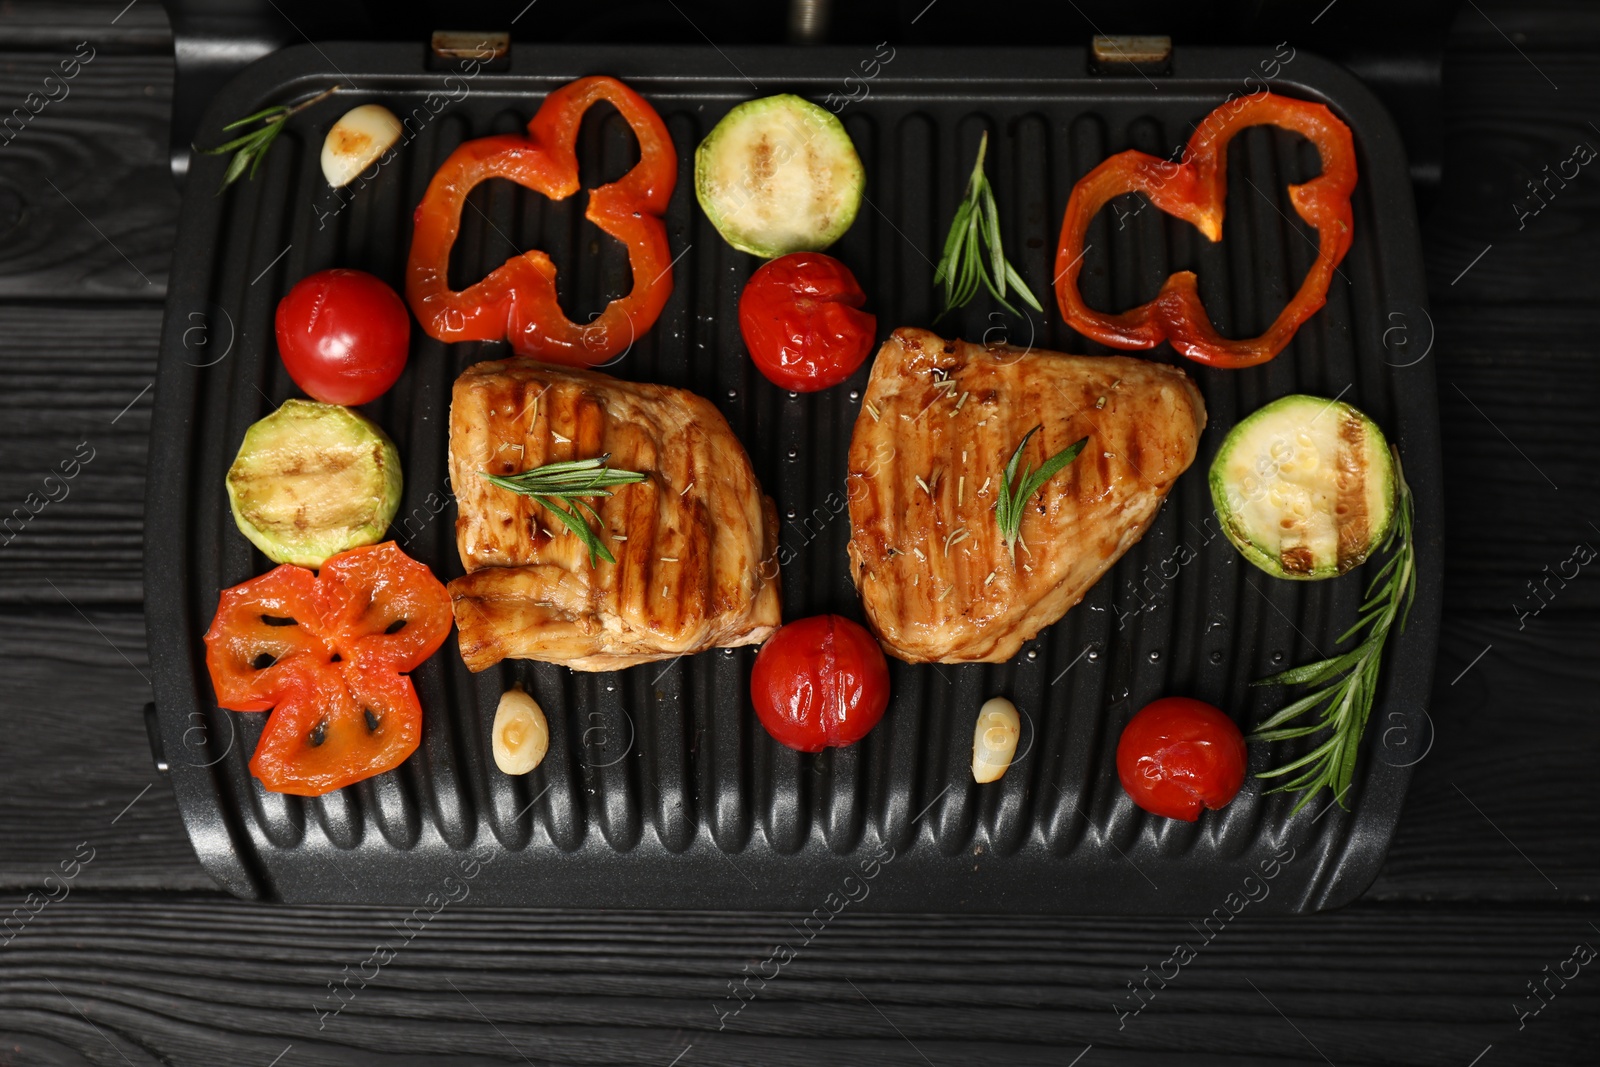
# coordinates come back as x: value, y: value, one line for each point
x: 695, y: 542
x: 935, y: 578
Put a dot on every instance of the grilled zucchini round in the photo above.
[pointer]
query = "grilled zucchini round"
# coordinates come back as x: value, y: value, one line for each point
x: 779, y: 175
x: 312, y: 480
x: 1305, y: 487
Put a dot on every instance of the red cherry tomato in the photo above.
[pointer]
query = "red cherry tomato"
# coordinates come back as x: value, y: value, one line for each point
x: 1178, y: 755
x: 343, y: 336
x: 799, y: 320
x: 820, y: 682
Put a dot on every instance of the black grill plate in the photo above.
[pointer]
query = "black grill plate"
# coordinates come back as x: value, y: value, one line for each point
x: 661, y: 789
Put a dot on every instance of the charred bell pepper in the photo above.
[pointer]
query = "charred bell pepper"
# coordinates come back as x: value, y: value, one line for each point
x: 517, y: 300
x: 1195, y: 190
x: 325, y: 651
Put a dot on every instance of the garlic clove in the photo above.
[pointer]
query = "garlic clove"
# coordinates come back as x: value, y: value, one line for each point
x: 994, y: 739
x: 356, y: 141
x: 521, y: 736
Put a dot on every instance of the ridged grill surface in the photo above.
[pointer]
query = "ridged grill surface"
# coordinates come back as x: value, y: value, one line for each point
x: 660, y: 787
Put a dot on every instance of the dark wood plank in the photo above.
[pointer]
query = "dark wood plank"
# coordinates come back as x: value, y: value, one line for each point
x: 1502, y: 807
x: 119, y: 25
x: 1505, y: 123
x: 75, y: 398
x: 88, y: 208
x: 211, y: 981
x: 1518, y: 393
x: 76, y: 763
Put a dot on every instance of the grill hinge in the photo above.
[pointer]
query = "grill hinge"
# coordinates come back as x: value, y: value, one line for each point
x: 1111, y: 54
x: 450, y: 48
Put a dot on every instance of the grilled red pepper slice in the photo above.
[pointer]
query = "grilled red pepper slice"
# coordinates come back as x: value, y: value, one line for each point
x: 324, y: 652
x: 517, y: 300
x: 1195, y: 190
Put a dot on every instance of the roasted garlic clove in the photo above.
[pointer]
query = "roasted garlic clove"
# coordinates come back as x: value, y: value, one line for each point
x: 521, y: 735
x: 994, y: 739
x: 355, y: 142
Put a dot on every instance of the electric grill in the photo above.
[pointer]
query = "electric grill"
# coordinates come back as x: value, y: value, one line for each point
x: 660, y: 788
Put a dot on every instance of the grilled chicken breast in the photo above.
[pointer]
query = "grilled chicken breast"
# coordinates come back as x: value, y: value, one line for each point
x: 695, y: 542
x: 939, y: 422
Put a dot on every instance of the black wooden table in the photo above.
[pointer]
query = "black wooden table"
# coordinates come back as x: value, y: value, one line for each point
x: 1469, y: 949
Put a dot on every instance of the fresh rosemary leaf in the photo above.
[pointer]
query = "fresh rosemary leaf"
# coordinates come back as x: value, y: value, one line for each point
x: 1015, y: 281
x: 560, y: 488
x: 1015, y: 492
x: 1347, y: 703
x: 1311, y: 673
x: 997, y: 259
x: 276, y: 109
x: 236, y: 167
x: 1287, y: 734
x: 1322, y: 751
x: 1283, y: 715
x: 974, y: 257
x: 578, y: 525
x: 953, y: 243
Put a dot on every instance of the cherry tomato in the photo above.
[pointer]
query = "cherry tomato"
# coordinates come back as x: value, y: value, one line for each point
x: 1178, y: 755
x: 820, y: 682
x: 343, y: 336
x: 799, y: 320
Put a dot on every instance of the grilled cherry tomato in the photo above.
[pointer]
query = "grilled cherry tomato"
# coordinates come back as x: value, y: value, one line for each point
x: 343, y: 336
x: 1179, y: 755
x: 820, y: 682
x: 799, y: 320
x: 325, y: 652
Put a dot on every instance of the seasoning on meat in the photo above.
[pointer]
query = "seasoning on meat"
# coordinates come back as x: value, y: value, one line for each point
x: 973, y: 600
x: 694, y: 543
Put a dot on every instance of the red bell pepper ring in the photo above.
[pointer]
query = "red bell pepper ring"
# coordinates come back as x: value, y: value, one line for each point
x: 324, y: 652
x: 517, y: 300
x: 1195, y: 190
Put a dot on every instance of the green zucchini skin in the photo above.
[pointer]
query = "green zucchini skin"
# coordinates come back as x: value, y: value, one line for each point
x: 779, y: 175
x: 1305, y: 487
x: 312, y: 480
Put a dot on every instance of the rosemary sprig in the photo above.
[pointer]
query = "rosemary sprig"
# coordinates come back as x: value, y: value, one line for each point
x: 1349, y: 681
x: 557, y: 487
x: 972, y: 252
x: 249, y: 149
x: 1014, y: 493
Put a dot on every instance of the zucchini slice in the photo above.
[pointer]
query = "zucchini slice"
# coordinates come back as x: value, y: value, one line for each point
x: 1305, y: 487
x: 312, y: 480
x: 779, y: 175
